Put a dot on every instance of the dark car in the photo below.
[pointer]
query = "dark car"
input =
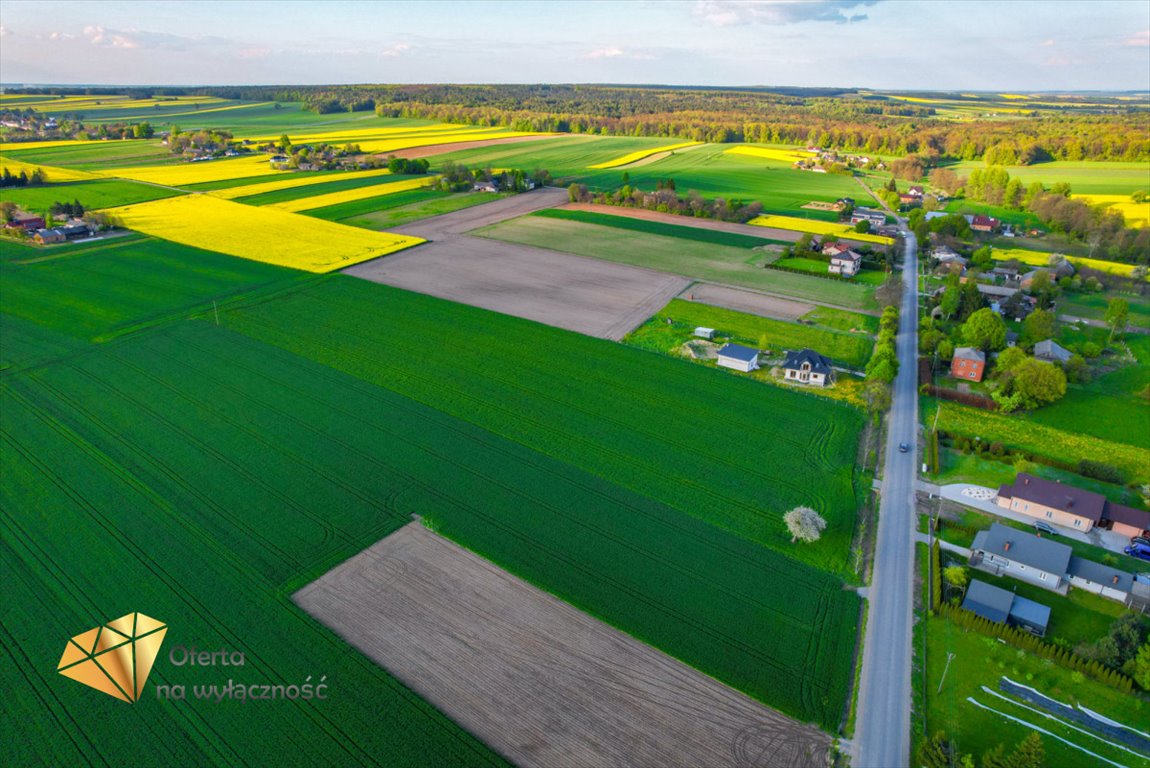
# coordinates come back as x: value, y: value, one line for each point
x: 1140, y: 551
x: 1046, y: 528
x: 903, y: 447
x: 1140, y: 540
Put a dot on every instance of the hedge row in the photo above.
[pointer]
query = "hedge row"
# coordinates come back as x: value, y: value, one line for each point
x: 972, y: 399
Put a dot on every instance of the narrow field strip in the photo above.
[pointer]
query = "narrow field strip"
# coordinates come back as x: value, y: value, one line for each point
x: 181, y: 174
x: 352, y: 195
x: 297, y: 180
x: 769, y: 153
x: 50, y: 173
x: 815, y: 227
x: 635, y: 157
x: 260, y: 234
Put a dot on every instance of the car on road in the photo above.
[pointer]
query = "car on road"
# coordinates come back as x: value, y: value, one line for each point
x: 903, y: 447
x: 1140, y: 551
x: 1046, y: 528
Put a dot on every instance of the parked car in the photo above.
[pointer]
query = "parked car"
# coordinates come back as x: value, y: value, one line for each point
x: 1046, y: 528
x: 903, y: 447
x: 1140, y: 551
x: 1140, y: 540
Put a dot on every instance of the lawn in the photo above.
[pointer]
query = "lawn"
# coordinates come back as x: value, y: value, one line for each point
x: 100, y: 193
x: 1093, y: 306
x: 698, y: 234
x: 976, y: 660
x: 704, y: 261
x: 1094, y: 178
x: 842, y: 320
x: 871, y: 277
x: 348, y: 212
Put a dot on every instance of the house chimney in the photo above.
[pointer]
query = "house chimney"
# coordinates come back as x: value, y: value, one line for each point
x: 1026, y: 481
x: 1069, y: 502
x: 1006, y: 547
x: 1115, y: 579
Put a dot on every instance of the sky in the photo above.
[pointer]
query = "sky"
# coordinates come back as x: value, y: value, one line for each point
x: 1004, y: 45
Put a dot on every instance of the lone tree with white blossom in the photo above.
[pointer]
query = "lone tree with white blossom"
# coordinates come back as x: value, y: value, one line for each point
x: 805, y: 524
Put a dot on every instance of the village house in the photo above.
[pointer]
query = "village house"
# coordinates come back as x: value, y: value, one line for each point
x: 968, y: 363
x: 984, y: 223
x: 808, y: 367
x: 1100, y: 579
x: 876, y: 218
x: 1051, y: 352
x: 26, y: 221
x: 1004, y: 607
x: 1072, y: 507
x: 1005, y: 551
x: 738, y: 357
x: 485, y: 186
x: 48, y: 236
x: 846, y: 263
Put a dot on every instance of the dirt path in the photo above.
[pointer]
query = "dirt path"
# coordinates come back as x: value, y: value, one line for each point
x: 743, y: 300
x: 539, y: 681
x: 688, y: 221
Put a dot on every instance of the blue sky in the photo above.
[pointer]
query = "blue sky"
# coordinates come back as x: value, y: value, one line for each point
x: 896, y: 44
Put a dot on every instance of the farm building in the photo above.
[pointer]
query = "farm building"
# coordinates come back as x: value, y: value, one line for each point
x: 968, y: 363
x: 846, y: 263
x: 704, y: 333
x: 485, y: 186
x: 876, y: 218
x: 738, y: 357
x: 1004, y: 551
x: 808, y: 367
x: 48, y: 236
x: 27, y: 222
x: 1005, y: 607
x: 1100, y: 579
x: 1051, y: 352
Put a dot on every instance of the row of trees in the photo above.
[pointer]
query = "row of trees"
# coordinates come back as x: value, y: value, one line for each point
x: 667, y: 200
x: 22, y: 179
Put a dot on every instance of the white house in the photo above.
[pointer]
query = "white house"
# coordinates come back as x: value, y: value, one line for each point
x: 704, y: 333
x: 845, y: 263
x: 739, y: 357
x: 876, y: 218
x: 1100, y: 579
x: 808, y: 367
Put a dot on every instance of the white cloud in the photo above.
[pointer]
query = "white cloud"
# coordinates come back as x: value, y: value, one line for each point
x: 614, y: 52
x: 1047, y: 43
x: 396, y: 50
x: 1138, y: 39
x: 726, y: 13
x: 109, y: 38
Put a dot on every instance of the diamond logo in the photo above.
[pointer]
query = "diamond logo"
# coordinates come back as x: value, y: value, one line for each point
x: 115, y: 658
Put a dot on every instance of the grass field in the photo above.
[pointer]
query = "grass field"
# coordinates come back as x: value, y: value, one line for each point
x: 354, y: 194
x: 715, y: 237
x: 47, y: 172
x: 841, y: 320
x: 1093, y: 306
x: 851, y: 350
x: 91, y: 155
x: 817, y: 267
x: 634, y: 157
x: 93, y: 194
x: 409, y: 206
x: 121, y: 284
x: 980, y: 661
x: 816, y: 227
x: 261, y: 234
x: 701, y: 260
x: 1093, y: 178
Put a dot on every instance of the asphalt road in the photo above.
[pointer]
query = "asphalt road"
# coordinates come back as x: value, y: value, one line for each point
x: 882, y: 731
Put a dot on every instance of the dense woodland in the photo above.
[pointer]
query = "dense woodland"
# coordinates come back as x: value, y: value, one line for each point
x: 1063, y: 128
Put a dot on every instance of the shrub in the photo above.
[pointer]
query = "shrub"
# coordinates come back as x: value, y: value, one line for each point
x: 1101, y: 471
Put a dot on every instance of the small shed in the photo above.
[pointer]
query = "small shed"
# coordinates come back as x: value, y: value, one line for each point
x: 738, y: 357
x: 704, y: 333
x: 1005, y: 607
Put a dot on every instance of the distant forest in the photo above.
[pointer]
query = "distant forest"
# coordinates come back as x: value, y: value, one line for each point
x: 1062, y: 128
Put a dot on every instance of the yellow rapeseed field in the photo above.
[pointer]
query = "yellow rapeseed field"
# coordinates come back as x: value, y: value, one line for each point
x: 181, y: 174
x: 293, y: 181
x: 816, y: 227
x: 1137, y: 214
x: 770, y: 153
x: 50, y: 172
x: 351, y: 195
x: 19, y: 146
x: 260, y: 234
x: 1041, y: 259
x: 92, y: 103
x: 635, y: 157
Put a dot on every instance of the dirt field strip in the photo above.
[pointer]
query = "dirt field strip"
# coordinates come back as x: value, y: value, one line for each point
x: 742, y: 300
x: 688, y: 221
x: 413, y: 153
x: 591, y: 296
x: 541, y: 682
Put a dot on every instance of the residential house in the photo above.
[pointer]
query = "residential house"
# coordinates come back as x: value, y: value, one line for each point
x: 906, y: 198
x: 485, y: 186
x: 808, y: 367
x: 738, y: 357
x: 834, y: 248
x: 916, y: 192
x: 27, y: 222
x: 1052, y: 501
x: 1051, y: 352
x: 704, y: 333
x: 1070, y: 506
x: 846, y: 263
x: 984, y: 224
x: 1011, y: 336
x: 1004, y: 607
x: 968, y: 363
x: 49, y: 236
x: 844, y: 202
x: 1005, y: 551
x: 944, y: 254
x: 75, y: 231
x: 876, y: 218
x: 1100, y: 579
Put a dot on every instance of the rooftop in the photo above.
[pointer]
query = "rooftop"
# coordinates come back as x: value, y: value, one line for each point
x: 1024, y: 548
x: 1055, y: 495
x: 1101, y: 574
x: 739, y: 352
x: 817, y: 362
x: 970, y: 353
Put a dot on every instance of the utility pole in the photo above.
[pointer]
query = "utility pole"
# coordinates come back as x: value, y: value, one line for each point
x: 216, y: 310
x: 949, y: 656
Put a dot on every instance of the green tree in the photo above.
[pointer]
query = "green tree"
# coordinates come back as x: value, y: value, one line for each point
x: 956, y: 575
x: 1029, y: 384
x: 862, y: 226
x: 1038, y: 326
x: 935, y: 752
x: 984, y: 329
x: 983, y: 258
x: 1117, y: 312
x: 972, y: 300
x: 951, y: 298
x: 1142, y: 667
x: 995, y: 758
x: 1029, y: 753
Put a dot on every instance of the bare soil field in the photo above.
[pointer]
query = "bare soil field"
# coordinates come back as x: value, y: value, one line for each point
x: 591, y: 296
x: 412, y: 153
x: 688, y: 221
x: 741, y: 300
x: 541, y: 682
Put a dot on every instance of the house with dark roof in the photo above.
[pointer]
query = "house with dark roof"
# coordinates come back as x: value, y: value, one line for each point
x: 876, y: 218
x: 984, y: 223
x: 1005, y: 551
x: 846, y: 263
x: 808, y: 367
x: 1100, y: 579
x: 738, y: 357
x: 1004, y: 607
x: 1052, y: 501
x: 1126, y: 520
